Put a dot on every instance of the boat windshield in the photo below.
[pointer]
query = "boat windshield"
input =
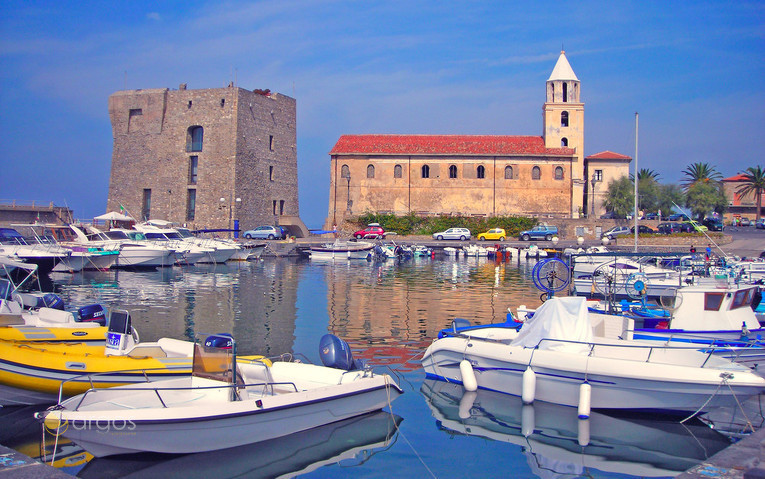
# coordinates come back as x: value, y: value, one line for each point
x: 185, y: 233
x: 215, y: 358
x: 11, y: 236
x: 117, y: 235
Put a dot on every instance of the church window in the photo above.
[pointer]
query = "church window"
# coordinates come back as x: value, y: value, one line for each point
x: 564, y: 118
x: 564, y: 142
x: 425, y: 171
x: 508, y: 172
x: 370, y: 171
x: 480, y: 172
x: 397, y: 171
x: 558, y: 172
x: 194, y: 138
x: 565, y: 92
x: 536, y: 173
x: 453, y: 171
x: 345, y: 172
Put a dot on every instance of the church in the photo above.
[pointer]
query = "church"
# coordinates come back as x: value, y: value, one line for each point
x: 479, y: 175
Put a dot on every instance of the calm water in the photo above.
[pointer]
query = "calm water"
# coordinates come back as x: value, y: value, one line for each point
x: 388, y: 313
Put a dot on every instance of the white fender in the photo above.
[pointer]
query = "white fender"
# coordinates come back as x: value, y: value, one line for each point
x: 528, y: 391
x: 466, y: 404
x: 584, y: 432
x: 469, y: 382
x: 585, y: 394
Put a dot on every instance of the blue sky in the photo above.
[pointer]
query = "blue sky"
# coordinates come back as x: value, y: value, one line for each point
x: 693, y: 70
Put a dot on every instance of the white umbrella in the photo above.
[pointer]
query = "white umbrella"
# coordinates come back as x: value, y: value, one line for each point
x: 113, y: 216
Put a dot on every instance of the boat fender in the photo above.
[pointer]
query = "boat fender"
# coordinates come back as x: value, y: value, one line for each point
x: 528, y: 390
x: 469, y: 382
x: 92, y: 313
x: 335, y: 353
x: 585, y: 395
x: 528, y: 419
x: 583, y: 432
x: 466, y: 404
x: 220, y: 341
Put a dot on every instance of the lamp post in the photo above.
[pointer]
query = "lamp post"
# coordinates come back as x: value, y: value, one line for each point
x: 593, y: 182
x: 230, y: 207
x: 348, y: 205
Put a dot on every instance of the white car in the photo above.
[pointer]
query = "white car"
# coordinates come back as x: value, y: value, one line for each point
x: 453, y: 233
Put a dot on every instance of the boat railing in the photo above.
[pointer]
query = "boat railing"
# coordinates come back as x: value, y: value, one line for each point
x: 90, y: 376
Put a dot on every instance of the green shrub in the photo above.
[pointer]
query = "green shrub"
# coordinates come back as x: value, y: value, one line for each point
x: 412, y: 224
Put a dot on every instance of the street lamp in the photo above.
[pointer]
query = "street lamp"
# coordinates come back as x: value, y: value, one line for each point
x: 348, y: 205
x: 593, y: 181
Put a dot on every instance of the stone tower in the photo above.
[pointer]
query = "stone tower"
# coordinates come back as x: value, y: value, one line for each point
x: 563, y: 124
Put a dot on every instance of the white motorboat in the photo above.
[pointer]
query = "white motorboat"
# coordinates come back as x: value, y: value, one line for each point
x: 214, y: 409
x: 45, y: 256
x: 187, y: 252
x: 221, y: 250
x: 474, y: 250
x: 555, y: 357
x: 132, y: 254
x: 341, y: 249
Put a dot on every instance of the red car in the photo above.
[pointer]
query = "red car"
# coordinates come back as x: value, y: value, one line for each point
x: 372, y: 231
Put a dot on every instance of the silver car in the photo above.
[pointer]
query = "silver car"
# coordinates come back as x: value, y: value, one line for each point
x: 453, y: 233
x: 264, y: 232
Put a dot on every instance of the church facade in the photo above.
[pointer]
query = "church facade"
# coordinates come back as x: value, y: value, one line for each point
x: 477, y: 175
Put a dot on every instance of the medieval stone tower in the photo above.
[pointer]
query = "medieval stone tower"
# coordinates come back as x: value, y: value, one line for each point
x: 210, y: 158
x: 563, y: 124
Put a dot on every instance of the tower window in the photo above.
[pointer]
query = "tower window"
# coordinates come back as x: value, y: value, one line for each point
x: 146, y: 205
x: 565, y: 92
x: 191, y: 205
x: 345, y: 172
x: 370, y: 171
x: 564, y: 118
x: 194, y: 138
x: 397, y: 171
x: 271, y: 173
x: 480, y: 172
x: 558, y: 172
x: 425, y: 171
x: 193, y: 167
x: 508, y: 172
x: 222, y: 102
x: 271, y: 142
x: 536, y: 173
x: 452, y: 171
x: 564, y: 142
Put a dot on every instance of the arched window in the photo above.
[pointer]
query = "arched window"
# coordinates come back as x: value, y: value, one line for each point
x: 558, y: 172
x: 345, y: 172
x: 425, y: 171
x: 480, y: 172
x: 194, y: 138
x: 564, y: 118
x: 564, y: 142
x: 536, y: 173
x: 452, y: 171
x: 370, y: 171
x: 508, y: 172
x: 397, y: 171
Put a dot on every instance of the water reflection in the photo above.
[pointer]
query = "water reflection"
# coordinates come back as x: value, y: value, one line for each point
x: 557, y: 443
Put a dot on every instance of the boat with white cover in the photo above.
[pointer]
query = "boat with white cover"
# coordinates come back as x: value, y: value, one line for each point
x: 342, y: 249
x: 556, y: 357
x: 215, y: 409
x: 132, y: 254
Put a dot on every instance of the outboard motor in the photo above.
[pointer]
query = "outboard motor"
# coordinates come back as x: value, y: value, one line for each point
x: 53, y: 301
x: 335, y: 353
x: 220, y: 341
x: 92, y: 313
x: 37, y: 301
x: 120, y: 337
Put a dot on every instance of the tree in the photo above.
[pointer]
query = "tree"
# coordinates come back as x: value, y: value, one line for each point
x: 754, y: 184
x: 647, y: 174
x: 705, y: 196
x: 700, y: 172
x: 620, y: 197
x: 669, y: 196
x: 649, y: 193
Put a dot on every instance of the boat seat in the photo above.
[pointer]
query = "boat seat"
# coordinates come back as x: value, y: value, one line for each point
x: 55, y: 316
x: 149, y: 351
x: 176, y: 348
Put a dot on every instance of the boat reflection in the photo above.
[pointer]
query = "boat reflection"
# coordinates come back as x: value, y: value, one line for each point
x: 556, y: 442
x: 352, y: 441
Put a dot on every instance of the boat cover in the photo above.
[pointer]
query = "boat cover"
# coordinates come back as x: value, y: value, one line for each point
x: 564, y: 319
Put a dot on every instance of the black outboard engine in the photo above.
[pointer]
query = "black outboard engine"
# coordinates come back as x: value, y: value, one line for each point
x: 335, y: 353
x: 220, y: 341
x: 92, y: 313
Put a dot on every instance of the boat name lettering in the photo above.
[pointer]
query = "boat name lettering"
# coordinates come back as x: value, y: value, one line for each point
x: 79, y: 333
x: 104, y: 425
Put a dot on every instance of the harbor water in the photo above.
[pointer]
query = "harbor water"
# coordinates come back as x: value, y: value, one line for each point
x: 388, y: 312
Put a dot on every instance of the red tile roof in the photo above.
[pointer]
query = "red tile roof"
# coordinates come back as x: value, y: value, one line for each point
x: 608, y: 155
x: 445, y: 145
x: 739, y: 177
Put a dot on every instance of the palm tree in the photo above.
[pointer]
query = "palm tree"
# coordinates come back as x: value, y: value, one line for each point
x: 700, y: 172
x: 754, y: 184
x: 647, y: 174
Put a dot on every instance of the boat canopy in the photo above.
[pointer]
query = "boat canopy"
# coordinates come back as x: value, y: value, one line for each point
x: 565, y: 321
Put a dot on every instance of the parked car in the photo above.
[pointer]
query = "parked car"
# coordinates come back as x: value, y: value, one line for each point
x: 643, y: 229
x: 493, y: 234
x: 744, y: 221
x: 264, y: 232
x: 612, y: 216
x: 616, y: 231
x: 372, y: 231
x: 760, y: 225
x: 713, y: 224
x: 693, y: 226
x: 538, y: 232
x: 651, y: 216
x: 669, y: 228
x: 453, y: 234
x: 678, y: 217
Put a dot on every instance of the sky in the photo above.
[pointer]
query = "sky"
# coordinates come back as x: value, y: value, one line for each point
x: 693, y: 70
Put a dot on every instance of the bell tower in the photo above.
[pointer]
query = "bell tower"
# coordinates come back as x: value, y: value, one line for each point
x: 564, y: 123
